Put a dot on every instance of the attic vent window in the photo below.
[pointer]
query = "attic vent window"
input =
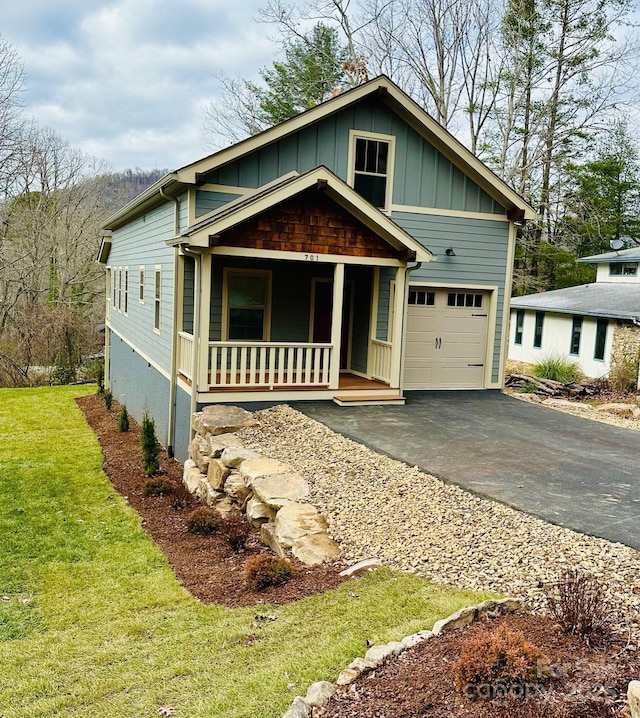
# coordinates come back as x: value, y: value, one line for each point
x: 372, y: 168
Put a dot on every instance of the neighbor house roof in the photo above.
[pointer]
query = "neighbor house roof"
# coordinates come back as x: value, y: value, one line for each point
x: 387, y: 91
x: 622, y: 255
x: 244, y: 208
x: 600, y: 299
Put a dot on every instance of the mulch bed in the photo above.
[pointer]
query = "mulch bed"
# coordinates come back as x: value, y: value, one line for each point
x: 205, y: 565
x: 583, y: 682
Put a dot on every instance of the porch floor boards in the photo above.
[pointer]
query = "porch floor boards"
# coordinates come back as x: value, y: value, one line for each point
x: 348, y: 382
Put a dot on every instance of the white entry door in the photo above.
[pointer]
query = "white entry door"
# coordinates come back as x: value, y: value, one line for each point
x: 446, y: 343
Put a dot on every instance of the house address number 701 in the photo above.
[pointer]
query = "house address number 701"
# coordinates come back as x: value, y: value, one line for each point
x: 311, y: 257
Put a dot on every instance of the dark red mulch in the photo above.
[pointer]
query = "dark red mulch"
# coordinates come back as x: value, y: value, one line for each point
x: 583, y: 682
x: 205, y: 565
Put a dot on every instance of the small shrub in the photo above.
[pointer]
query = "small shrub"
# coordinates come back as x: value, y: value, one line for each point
x: 158, y: 487
x: 123, y: 419
x: 204, y: 521
x: 180, y: 497
x: 501, y: 657
x: 108, y: 399
x: 577, y: 601
x: 264, y: 570
x: 150, y: 446
x: 623, y: 374
x: 557, y: 368
x: 236, y: 530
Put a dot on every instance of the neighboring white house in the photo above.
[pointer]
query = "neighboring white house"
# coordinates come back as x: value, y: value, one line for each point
x: 588, y: 324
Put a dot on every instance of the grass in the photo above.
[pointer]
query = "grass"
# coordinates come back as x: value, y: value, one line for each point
x: 93, y: 622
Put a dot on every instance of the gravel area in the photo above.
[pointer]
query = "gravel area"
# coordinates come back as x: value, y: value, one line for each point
x: 410, y: 520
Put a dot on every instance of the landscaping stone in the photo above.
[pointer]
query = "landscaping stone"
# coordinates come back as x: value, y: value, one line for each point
x: 299, y: 709
x: 235, y: 488
x: 362, y: 567
x: 314, y: 548
x: 259, y: 466
x: 347, y: 676
x: 318, y: 694
x: 225, y: 506
x: 297, y: 520
x: 217, y: 474
x: 220, y: 442
x: 268, y: 538
x: 259, y: 512
x: 460, y: 618
x: 192, y: 477
x: 277, y: 490
x: 631, y: 411
x: 560, y: 403
x: 222, y: 419
x: 377, y: 654
x: 200, y: 452
x: 633, y: 697
x: 234, y: 456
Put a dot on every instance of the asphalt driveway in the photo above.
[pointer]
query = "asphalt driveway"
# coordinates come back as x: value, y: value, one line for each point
x: 571, y: 471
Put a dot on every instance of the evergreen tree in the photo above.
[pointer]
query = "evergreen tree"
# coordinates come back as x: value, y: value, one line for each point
x: 150, y: 446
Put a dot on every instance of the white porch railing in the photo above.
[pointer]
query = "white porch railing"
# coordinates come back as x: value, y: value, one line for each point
x: 268, y: 364
x: 185, y: 354
x: 381, y: 360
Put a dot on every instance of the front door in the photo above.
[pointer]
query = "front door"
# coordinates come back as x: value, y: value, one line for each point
x: 322, y: 308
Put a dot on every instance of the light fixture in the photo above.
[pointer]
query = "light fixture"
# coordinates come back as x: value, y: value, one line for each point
x: 449, y: 252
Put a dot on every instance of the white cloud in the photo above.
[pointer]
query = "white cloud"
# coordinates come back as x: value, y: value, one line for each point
x: 126, y: 79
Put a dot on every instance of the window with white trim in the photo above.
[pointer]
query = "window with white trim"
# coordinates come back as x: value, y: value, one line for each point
x: 119, y: 289
x: 126, y: 291
x: 141, y: 285
x: 371, y: 167
x: 157, y: 291
x: 247, y: 305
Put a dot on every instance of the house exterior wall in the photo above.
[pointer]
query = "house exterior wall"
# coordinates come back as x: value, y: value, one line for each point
x: 556, y: 341
x: 141, y: 243
x: 603, y: 275
x: 423, y: 177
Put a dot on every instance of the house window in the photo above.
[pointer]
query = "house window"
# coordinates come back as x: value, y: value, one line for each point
x: 519, y: 327
x: 576, y: 331
x: 247, y: 298
x: 371, y: 161
x: 537, y: 334
x: 462, y: 299
x: 156, y: 298
x: 114, y: 274
x: 119, y: 290
x: 601, y: 338
x: 420, y: 297
x: 141, y: 285
x: 623, y: 269
x: 126, y: 291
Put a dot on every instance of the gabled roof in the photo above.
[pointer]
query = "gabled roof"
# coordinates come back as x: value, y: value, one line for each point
x: 622, y: 255
x: 600, y: 299
x: 388, y: 92
x: 243, y: 209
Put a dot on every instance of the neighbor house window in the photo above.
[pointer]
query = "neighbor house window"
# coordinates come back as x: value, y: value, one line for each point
x: 247, y: 299
x: 623, y: 269
x: 519, y: 326
x: 141, y: 285
x: 157, y: 289
x: 601, y: 338
x: 537, y: 334
x: 372, y: 167
x: 576, y: 331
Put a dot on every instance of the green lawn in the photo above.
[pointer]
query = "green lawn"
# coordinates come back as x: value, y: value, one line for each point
x: 94, y: 623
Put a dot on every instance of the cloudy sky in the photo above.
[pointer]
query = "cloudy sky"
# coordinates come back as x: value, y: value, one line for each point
x: 125, y: 80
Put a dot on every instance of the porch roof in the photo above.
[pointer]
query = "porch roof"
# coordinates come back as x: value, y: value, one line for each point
x: 202, y: 233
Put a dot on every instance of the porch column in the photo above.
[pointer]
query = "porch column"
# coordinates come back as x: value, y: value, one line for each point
x: 201, y: 334
x: 336, y: 325
x: 398, y: 324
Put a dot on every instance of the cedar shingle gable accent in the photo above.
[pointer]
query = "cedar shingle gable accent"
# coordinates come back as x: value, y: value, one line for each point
x: 310, y: 222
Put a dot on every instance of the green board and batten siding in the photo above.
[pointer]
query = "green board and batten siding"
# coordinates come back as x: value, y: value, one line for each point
x: 422, y: 175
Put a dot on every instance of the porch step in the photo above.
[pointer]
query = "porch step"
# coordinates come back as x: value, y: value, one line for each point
x: 369, y: 400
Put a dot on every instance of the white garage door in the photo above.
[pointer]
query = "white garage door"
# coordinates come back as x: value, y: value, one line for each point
x: 446, y: 339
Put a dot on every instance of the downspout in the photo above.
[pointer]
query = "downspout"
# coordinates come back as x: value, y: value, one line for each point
x: 174, y: 332
x: 195, y: 364
x: 407, y: 273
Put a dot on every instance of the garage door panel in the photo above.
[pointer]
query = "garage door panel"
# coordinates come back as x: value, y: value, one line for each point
x: 446, y: 345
